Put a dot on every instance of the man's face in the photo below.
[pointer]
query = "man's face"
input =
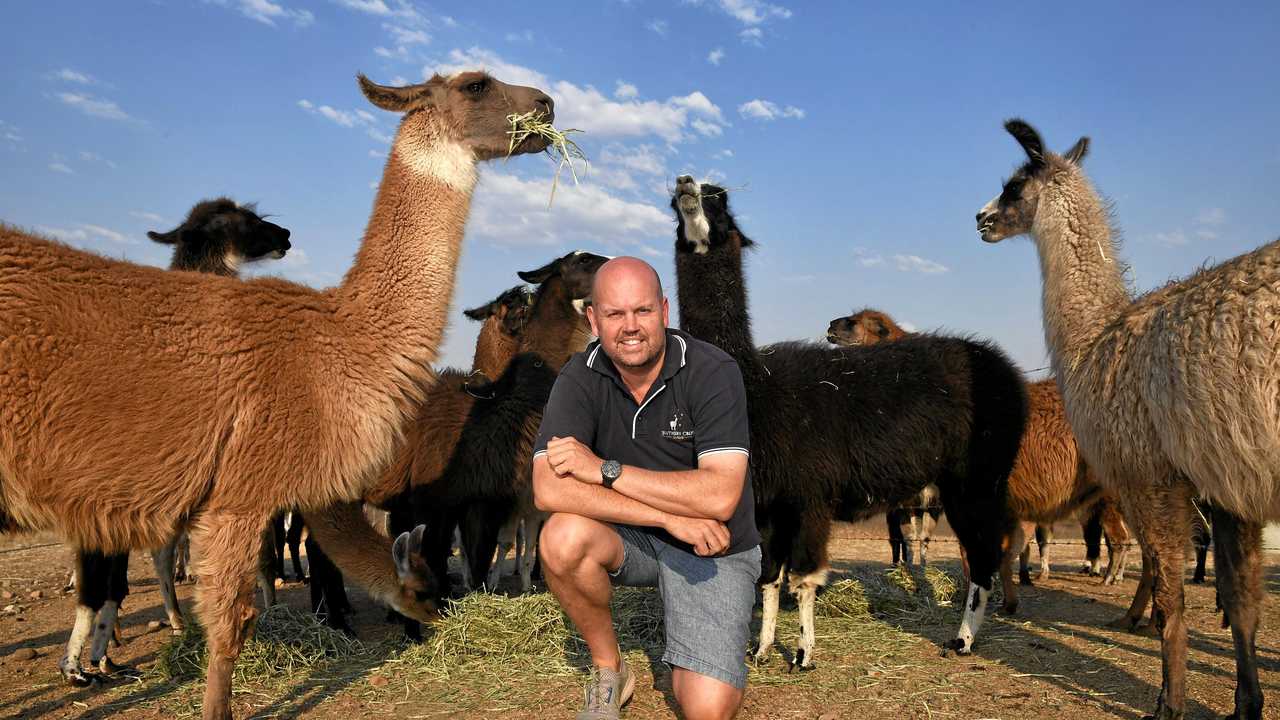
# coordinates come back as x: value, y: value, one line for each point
x: 629, y: 315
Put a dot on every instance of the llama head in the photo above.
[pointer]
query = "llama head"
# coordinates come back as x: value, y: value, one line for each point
x: 220, y: 235
x: 468, y: 109
x: 865, y: 327
x: 577, y: 270
x: 419, y: 591
x: 509, y: 311
x: 703, y: 220
x: 1013, y: 211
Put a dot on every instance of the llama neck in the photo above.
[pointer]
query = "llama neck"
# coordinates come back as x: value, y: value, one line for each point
x: 713, y: 301
x: 494, y: 349
x: 1082, y: 275
x: 555, y: 329
x: 398, y: 291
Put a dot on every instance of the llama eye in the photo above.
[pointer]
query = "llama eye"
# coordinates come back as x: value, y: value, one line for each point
x: 476, y: 87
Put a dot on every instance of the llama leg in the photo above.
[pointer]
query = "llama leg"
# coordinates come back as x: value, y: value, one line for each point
x: 1131, y: 621
x: 1016, y: 546
x: 293, y: 538
x: 806, y: 590
x: 267, y: 567
x: 770, y: 592
x: 891, y: 519
x: 975, y: 608
x: 108, y: 624
x: 1044, y: 538
x: 1091, y: 528
x: 532, y: 530
x: 92, y: 570
x: 1201, y: 536
x: 1238, y: 566
x: 910, y: 549
x: 277, y: 533
x: 230, y: 546
x: 182, y: 558
x: 162, y: 561
x: 506, y: 542
x: 927, y: 524
x: 1117, y: 543
x: 1164, y: 527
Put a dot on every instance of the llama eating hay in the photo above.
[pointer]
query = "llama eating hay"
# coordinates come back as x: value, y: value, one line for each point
x: 128, y: 412
x: 845, y: 433
x: 1170, y: 395
x: 217, y: 237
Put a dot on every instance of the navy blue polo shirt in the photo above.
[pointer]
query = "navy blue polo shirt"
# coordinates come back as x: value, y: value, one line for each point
x: 697, y: 406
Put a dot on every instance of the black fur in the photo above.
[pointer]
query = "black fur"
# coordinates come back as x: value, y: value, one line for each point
x: 215, y: 226
x: 844, y: 433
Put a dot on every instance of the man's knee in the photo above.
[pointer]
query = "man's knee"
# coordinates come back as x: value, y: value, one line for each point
x: 704, y: 698
x: 565, y: 540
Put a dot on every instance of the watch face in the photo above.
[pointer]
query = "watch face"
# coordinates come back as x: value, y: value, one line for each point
x: 611, y: 469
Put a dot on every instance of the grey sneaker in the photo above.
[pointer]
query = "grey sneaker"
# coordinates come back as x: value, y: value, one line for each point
x: 607, y: 692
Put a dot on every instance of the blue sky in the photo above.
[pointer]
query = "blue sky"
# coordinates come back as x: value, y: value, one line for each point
x: 859, y: 139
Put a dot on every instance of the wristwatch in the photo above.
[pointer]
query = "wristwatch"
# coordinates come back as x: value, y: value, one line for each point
x: 609, y: 471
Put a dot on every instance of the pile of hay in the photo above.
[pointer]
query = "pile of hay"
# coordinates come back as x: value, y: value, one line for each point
x: 534, y: 124
x: 486, y: 635
x: 285, y: 642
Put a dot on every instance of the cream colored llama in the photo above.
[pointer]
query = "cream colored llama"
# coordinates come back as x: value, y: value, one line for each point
x: 128, y: 412
x: 1171, y: 395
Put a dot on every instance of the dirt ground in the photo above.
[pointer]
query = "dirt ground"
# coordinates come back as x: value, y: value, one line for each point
x: 1054, y: 658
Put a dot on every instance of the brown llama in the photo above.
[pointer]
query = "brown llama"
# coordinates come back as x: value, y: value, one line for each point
x: 1171, y: 395
x: 1049, y: 481
x: 128, y: 413
x: 217, y: 237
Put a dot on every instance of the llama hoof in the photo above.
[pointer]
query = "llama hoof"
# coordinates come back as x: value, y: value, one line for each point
x: 1147, y: 629
x: 759, y: 656
x: 1198, y: 579
x: 1010, y: 608
x: 954, y: 648
x: 1025, y: 580
x: 80, y: 678
x: 1124, y: 623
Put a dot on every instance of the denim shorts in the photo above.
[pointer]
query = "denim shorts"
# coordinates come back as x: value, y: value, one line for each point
x: 706, y: 602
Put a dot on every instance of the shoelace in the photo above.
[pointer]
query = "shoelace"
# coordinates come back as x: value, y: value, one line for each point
x: 602, y: 692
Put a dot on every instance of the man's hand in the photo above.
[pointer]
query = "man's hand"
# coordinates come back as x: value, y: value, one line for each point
x: 708, y: 537
x: 570, y: 458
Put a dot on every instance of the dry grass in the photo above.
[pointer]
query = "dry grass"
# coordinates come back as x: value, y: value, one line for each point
x: 534, y: 124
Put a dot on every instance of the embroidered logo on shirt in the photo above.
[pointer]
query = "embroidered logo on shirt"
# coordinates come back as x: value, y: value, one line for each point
x: 678, y: 426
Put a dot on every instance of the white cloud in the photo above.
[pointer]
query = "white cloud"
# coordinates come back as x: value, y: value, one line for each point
x: 1206, y: 235
x: 658, y: 26
x: 752, y: 36
x: 148, y: 216
x: 706, y: 128
x: 95, y: 107
x: 524, y: 37
x: 1175, y: 238
x: 1212, y: 216
x: 373, y: 7
x: 62, y: 168
x: 766, y: 110
x: 908, y: 326
x: 715, y: 56
x: 643, y: 159
x: 12, y: 134
x: 753, y: 12
x: 84, y: 232
x: 345, y: 118
x: 448, y: 21
x: 725, y: 153
x: 587, y: 108
x: 87, y: 156
x: 267, y: 12
x: 377, y: 154
x: 407, y: 36
x: 74, y: 76
x: 866, y: 258
x: 400, y: 52
x: 378, y: 135
x: 626, y: 91
x: 511, y: 211
x: 915, y: 263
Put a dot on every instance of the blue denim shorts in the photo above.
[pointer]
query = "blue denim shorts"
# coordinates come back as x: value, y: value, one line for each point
x: 706, y: 602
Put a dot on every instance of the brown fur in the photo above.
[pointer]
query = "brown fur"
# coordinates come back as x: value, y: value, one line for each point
x: 1170, y: 394
x: 127, y: 413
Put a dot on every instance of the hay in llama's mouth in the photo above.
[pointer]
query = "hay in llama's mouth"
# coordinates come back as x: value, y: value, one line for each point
x: 534, y: 128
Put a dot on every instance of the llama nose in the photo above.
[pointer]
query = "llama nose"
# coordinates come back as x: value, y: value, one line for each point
x: 982, y: 216
x: 546, y: 105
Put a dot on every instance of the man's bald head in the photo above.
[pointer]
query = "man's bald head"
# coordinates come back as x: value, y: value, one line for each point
x: 629, y: 314
x: 629, y: 276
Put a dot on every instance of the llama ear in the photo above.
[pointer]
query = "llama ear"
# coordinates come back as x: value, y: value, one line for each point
x: 479, y: 313
x: 392, y: 99
x: 542, y: 274
x: 407, y: 553
x: 1077, y: 151
x: 1028, y: 138
x: 168, y: 238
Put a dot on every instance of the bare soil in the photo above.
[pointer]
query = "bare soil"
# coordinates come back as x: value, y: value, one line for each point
x: 1054, y: 658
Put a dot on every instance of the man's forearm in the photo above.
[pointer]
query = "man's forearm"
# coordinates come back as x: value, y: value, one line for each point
x: 697, y: 493
x: 565, y: 494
